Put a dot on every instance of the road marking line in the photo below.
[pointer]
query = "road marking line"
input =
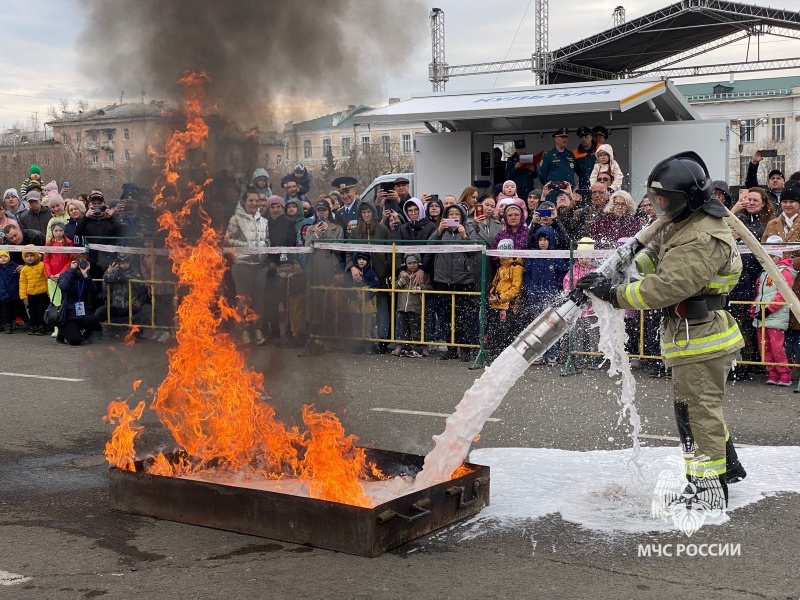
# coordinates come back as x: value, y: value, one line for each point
x: 7, y: 578
x: 42, y: 377
x: 421, y: 412
x: 669, y: 438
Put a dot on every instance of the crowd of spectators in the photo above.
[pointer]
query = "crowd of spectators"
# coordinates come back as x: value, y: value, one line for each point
x: 314, y: 301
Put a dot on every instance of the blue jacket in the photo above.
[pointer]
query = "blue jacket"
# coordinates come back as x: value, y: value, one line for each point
x: 557, y: 166
x: 74, y: 288
x: 544, y: 277
x: 9, y: 282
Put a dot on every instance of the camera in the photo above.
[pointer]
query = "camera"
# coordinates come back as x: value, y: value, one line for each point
x: 560, y: 185
x: 83, y: 264
x: 98, y: 210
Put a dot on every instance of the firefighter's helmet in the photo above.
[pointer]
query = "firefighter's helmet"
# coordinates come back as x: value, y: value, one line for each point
x: 681, y: 185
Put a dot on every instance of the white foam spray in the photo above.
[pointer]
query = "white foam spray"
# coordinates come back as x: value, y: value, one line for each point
x: 477, y: 405
x: 611, y: 323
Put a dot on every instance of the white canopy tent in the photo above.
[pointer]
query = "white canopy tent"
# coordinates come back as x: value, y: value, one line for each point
x: 648, y: 119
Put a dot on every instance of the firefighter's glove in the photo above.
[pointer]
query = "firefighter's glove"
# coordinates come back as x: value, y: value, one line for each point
x: 599, y: 285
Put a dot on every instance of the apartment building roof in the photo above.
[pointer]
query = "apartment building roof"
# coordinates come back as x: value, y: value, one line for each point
x: 715, y: 91
x: 342, y: 119
x: 114, y: 113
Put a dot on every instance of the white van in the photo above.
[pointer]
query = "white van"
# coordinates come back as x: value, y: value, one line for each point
x: 371, y: 192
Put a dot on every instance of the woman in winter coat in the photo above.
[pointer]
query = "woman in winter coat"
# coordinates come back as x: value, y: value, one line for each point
x: 618, y: 220
x: 514, y: 228
x: 75, y: 210
x: 454, y: 272
x: 247, y: 228
x: 755, y: 210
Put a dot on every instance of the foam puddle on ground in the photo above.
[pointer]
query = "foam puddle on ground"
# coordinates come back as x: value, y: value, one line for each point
x: 599, y: 490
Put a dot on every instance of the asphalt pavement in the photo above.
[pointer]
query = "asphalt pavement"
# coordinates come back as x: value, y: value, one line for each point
x: 60, y: 539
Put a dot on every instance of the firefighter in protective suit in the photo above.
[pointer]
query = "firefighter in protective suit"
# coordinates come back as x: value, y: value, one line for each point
x: 688, y: 271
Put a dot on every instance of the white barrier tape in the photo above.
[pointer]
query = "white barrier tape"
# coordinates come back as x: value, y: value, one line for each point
x: 401, y: 248
x: 44, y: 249
x: 549, y: 253
x: 241, y: 250
x: 127, y: 249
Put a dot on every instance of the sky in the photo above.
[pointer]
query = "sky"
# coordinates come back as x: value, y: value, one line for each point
x: 37, y: 71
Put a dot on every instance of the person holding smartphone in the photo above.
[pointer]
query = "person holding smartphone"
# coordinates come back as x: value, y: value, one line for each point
x: 775, y: 178
x: 77, y: 291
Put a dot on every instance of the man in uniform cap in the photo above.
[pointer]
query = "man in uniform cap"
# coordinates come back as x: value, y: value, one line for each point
x: 584, y: 158
x: 775, y: 180
x: 348, y: 214
x: 558, y: 164
x: 394, y: 199
x: 600, y: 134
x: 523, y: 174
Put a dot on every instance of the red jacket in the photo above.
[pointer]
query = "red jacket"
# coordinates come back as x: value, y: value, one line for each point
x: 57, y: 263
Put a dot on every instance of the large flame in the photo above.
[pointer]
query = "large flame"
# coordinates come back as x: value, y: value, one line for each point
x: 211, y: 400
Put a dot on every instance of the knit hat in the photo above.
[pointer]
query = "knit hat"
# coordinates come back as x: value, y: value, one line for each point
x: 505, y: 244
x: 412, y: 258
x: 56, y: 224
x: 10, y: 192
x: 5, y: 253
x: 774, y: 239
x: 35, y: 169
x: 276, y: 200
x: 586, y: 243
x: 51, y: 187
x: 54, y: 198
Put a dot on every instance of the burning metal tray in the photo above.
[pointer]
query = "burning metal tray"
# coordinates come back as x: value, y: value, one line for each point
x: 302, y: 520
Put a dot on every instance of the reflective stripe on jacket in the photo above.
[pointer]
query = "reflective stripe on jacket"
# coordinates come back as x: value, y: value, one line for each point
x: 694, y: 257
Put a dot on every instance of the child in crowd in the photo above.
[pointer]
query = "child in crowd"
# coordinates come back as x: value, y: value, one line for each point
x: 606, y: 164
x: 776, y: 320
x: 56, y: 263
x: 409, y: 309
x: 34, y: 179
x: 12, y: 306
x: 505, y: 302
x: 543, y: 281
x: 586, y: 335
x: 33, y: 290
x: 509, y: 191
x: 362, y: 305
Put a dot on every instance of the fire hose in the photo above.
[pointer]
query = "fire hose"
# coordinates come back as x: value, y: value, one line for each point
x: 553, y: 323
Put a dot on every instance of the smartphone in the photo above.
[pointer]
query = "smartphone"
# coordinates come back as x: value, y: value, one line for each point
x: 479, y: 210
x: 544, y: 212
x: 735, y: 192
x: 65, y: 185
x: 387, y: 186
x: 451, y: 222
x: 434, y: 198
x: 769, y: 153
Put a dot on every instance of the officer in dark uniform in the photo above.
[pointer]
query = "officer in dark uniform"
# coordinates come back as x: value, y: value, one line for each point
x: 558, y: 164
x: 347, y: 216
x: 600, y: 135
x: 584, y: 158
x: 523, y: 174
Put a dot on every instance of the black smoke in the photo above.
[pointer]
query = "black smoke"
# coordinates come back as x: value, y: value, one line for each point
x: 340, y: 51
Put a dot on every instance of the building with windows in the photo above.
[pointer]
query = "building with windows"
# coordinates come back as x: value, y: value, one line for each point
x: 363, y: 151
x: 762, y: 113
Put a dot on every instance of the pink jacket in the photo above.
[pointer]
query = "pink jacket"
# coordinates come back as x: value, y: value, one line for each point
x: 578, y: 271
